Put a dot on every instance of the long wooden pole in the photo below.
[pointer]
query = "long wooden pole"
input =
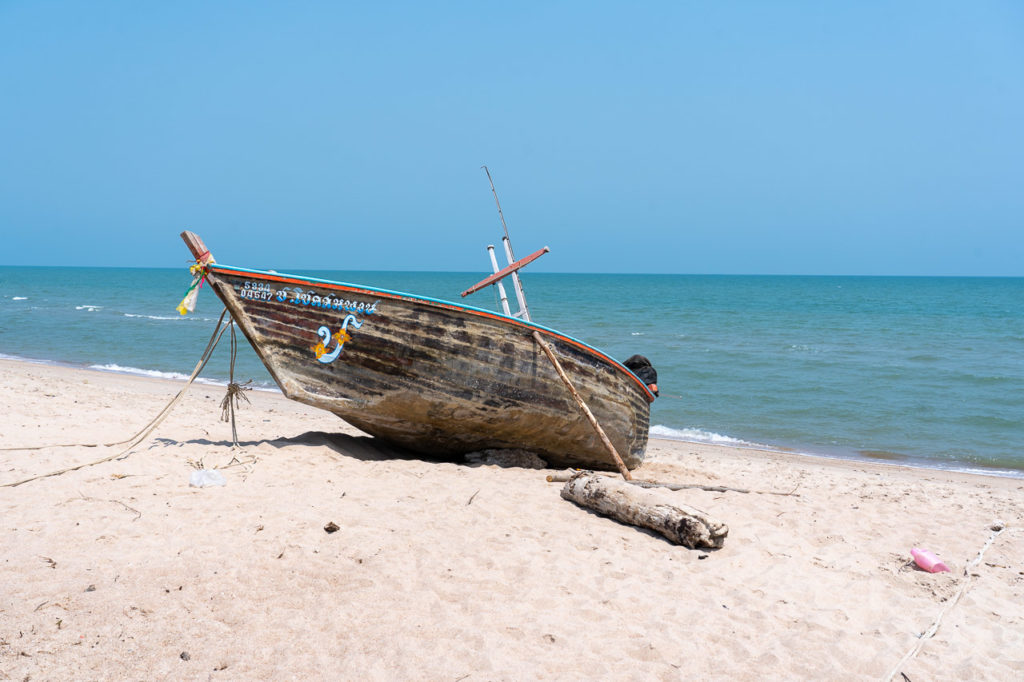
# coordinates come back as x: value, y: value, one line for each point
x: 583, y: 406
x: 563, y: 476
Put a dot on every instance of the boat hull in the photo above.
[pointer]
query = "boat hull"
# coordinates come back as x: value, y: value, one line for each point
x: 432, y: 376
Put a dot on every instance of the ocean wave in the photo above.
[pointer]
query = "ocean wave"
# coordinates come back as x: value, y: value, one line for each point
x: 89, y: 308
x: 152, y: 317
x: 152, y: 373
x: 695, y: 436
x: 19, y: 358
x: 19, y: 298
x: 170, y: 317
x: 174, y: 376
x: 980, y: 471
x: 924, y: 357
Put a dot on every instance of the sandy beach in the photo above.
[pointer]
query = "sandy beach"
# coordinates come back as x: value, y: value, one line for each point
x: 452, y: 571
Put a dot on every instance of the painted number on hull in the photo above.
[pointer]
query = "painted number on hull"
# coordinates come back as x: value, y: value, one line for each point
x: 256, y: 291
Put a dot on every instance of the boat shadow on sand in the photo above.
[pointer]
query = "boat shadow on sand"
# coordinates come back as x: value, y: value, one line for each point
x: 370, y: 449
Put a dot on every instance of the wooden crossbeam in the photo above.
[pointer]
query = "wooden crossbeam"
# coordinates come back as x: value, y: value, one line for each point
x: 505, y: 272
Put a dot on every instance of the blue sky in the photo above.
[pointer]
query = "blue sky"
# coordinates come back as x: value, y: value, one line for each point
x: 676, y: 137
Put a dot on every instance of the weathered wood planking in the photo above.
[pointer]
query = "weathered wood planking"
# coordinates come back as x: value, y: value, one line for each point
x: 434, y: 376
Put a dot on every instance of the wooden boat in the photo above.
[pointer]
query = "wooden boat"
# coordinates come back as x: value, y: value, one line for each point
x: 432, y: 376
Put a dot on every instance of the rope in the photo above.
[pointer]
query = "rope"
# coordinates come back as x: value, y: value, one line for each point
x: 146, y: 430
x: 236, y: 392
x: 997, y: 528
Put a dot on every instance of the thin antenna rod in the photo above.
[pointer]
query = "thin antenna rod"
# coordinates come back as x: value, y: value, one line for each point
x: 500, y: 214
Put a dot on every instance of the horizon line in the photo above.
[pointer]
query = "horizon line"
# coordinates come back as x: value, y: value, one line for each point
x: 477, y: 272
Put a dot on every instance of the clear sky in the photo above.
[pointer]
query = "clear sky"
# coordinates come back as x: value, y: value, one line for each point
x: 675, y: 137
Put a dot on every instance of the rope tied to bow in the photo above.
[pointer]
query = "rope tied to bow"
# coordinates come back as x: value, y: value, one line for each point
x: 235, y: 392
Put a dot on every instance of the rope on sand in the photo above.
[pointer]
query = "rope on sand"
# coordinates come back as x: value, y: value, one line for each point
x: 146, y: 430
x: 996, y: 528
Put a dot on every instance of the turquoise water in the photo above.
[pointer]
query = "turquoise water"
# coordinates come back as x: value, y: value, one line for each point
x: 916, y: 370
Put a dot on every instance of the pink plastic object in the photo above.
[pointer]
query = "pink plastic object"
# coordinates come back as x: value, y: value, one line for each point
x: 928, y: 561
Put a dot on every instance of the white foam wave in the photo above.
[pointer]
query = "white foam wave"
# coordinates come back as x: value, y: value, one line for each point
x: 981, y: 471
x: 152, y: 317
x: 90, y: 308
x: 147, y: 373
x: 19, y: 298
x: 34, y: 361
x: 169, y: 317
x: 174, y: 376
x: 695, y: 436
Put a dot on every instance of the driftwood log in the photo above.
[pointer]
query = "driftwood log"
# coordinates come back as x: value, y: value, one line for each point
x: 645, y: 507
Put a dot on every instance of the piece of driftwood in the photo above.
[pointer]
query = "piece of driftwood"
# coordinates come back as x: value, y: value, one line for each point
x: 563, y: 476
x: 645, y: 507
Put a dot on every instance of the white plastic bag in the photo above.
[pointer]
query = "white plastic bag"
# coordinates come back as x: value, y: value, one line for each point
x: 205, y: 478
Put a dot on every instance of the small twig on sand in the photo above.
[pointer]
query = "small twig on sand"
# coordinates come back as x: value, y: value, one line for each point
x: 472, y: 498
x: 138, y: 514
x: 564, y: 476
x: 244, y: 463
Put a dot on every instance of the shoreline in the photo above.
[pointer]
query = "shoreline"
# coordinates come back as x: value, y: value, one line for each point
x: 853, y: 456
x: 905, y: 462
x: 122, y: 570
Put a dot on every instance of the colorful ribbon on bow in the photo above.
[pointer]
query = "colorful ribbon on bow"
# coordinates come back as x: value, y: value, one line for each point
x: 188, y: 303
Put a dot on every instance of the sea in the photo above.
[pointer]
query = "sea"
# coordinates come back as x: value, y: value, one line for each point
x: 920, y: 371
